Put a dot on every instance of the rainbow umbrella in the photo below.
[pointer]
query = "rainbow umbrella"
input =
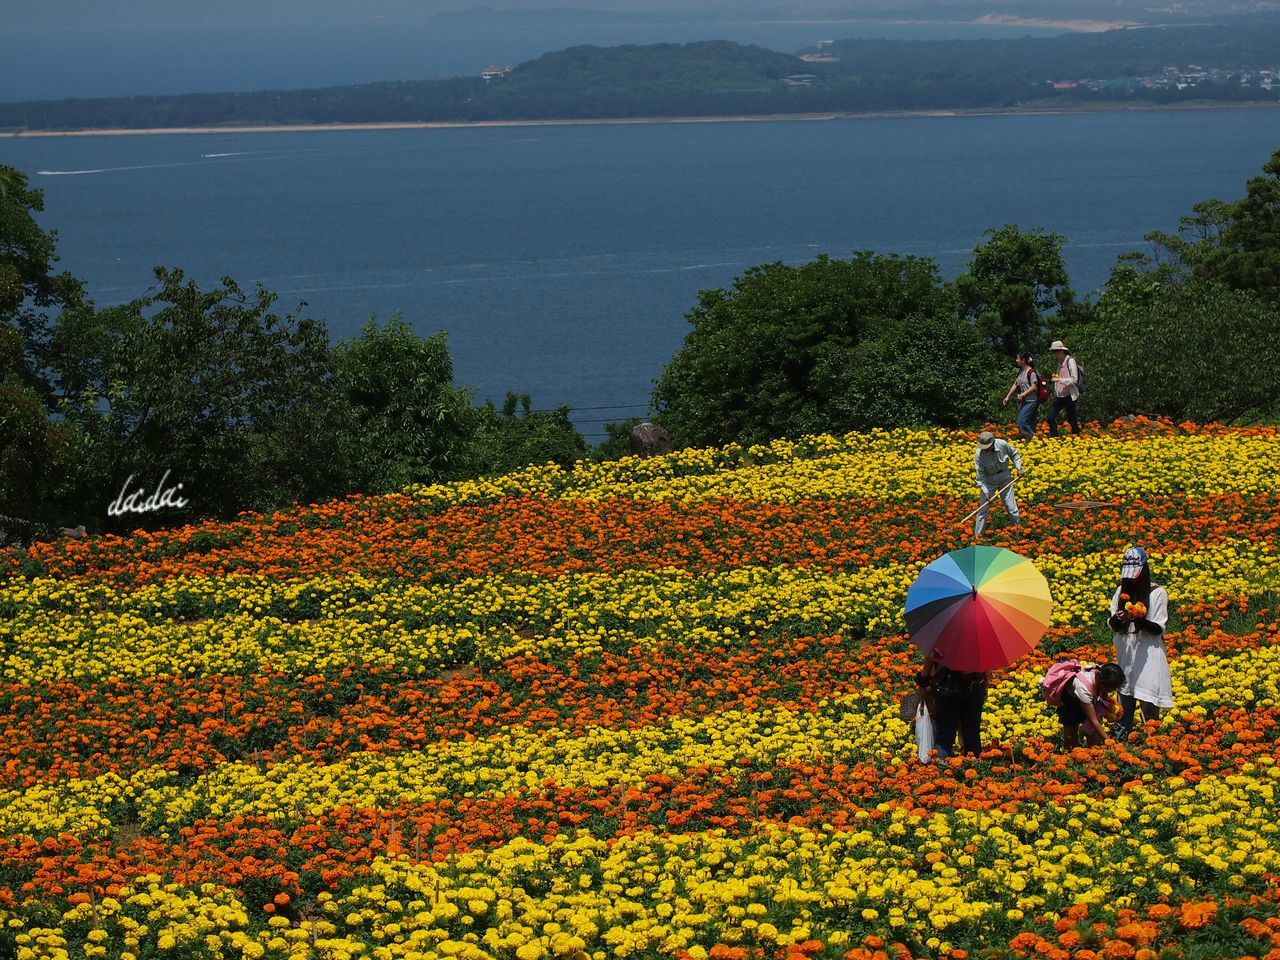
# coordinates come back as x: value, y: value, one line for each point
x: 978, y: 609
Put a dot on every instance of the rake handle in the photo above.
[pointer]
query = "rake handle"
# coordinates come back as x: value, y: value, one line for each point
x: 988, y: 501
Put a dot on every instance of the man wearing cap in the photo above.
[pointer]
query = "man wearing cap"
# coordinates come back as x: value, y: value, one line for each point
x: 1066, y: 388
x: 994, y: 461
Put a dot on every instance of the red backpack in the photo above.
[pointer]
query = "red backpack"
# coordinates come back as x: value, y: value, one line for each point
x: 1042, y: 388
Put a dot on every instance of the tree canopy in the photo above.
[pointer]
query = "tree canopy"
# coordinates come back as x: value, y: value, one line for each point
x: 248, y: 408
x: 1233, y: 243
x: 233, y: 399
x: 1195, y: 350
x: 1015, y: 280
x: 832, y: 344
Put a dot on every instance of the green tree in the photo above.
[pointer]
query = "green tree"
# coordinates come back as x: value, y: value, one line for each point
x: 236, y: 402
x: 1237, y: 243
x: 11, y: 181
x: 1015, y: 280
x: 1195, y: 350
x: 617, y: 439
x: 515, y: 436
x: 37, y: 455
x: 411, y: 425
x: 791, y: 350
x: 30, y: 289
x: 38, y: 462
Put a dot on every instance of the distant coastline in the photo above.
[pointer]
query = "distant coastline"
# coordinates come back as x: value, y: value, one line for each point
x: 1123, y: 107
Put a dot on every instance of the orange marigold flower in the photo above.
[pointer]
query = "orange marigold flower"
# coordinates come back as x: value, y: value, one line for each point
x: 1137, y: 933
x: 1194, y: 915
x: 1118, y: 950
x: 1024, y: 941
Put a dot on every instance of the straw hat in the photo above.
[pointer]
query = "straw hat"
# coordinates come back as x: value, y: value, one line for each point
x: 1058, y: 345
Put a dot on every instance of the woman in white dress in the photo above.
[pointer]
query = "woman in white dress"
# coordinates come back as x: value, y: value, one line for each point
x: 1139, y: 614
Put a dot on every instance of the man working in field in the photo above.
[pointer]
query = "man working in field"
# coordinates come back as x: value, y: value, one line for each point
x: 995, y: 462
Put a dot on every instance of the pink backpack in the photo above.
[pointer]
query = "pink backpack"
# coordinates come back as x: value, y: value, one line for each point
x: 1057, y: 681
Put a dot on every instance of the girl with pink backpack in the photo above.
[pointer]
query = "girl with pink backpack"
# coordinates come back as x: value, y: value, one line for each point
x: 1083, y: 695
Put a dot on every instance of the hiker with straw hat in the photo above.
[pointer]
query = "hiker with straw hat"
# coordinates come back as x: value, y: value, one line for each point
x: 1066, y: 388
x: 995, y: 461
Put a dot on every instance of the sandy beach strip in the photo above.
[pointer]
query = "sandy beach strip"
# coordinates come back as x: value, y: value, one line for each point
x: 619, y: 121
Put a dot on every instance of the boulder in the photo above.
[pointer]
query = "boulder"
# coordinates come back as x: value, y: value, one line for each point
x: 649, y: 440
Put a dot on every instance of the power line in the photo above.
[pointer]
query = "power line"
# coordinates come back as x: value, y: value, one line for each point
x: 619, y: 406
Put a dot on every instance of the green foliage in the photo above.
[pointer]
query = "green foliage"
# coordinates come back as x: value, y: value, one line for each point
x: 1237, y: 244
x: 29, y: 288
x: 587, y: 81
x: 36, y: 453
x: 516, y: 435
x: 409, y: 423
x: 829, y: 345
x: 617, y: 440
x: 211, y: 385
x: 1194, y: 350
x: 1016, y: 277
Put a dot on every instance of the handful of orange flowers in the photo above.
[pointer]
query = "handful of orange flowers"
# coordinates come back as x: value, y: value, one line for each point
x: 1135, y: 609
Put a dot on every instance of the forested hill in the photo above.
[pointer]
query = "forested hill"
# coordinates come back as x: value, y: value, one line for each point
x: 1237, y: 62
x: 710, y: 77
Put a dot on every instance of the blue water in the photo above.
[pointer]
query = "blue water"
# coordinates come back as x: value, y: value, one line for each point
x: 562, y: 259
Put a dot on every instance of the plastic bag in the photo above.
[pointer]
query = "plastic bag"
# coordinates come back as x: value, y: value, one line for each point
x: 924, y: 734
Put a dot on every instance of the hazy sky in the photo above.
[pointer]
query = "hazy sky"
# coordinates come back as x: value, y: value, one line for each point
x: 97, y: 14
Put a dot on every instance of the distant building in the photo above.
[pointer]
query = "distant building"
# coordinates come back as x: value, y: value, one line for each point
x: 823, y: 43
x: 494, y: 73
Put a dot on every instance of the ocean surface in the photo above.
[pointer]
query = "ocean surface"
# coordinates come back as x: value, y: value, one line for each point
x: 562, y: 259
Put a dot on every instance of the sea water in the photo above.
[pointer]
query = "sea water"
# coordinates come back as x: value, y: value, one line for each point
x: 562, y: 259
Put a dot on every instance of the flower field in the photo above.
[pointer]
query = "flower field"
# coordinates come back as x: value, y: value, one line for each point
x: 642, y: 709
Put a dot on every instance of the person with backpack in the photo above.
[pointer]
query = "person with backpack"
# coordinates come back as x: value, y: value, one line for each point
x: 994, y: 463
x: 1067, y: 384
x: 1030, y: 391
x: 1082, y: 695
x: 1139, y: 615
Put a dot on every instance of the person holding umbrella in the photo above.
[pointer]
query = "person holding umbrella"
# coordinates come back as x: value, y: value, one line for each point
x: 970, y: 612
x: 994, y: 462
x: 1139, y: 615
x: 958, y: 698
